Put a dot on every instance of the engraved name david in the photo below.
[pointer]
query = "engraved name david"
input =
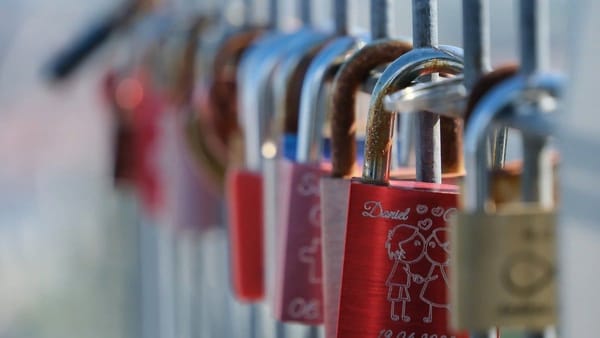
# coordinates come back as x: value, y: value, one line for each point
x: 374, y: 209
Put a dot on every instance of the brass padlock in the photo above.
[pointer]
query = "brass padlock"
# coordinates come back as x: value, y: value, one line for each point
x: 504, y: 254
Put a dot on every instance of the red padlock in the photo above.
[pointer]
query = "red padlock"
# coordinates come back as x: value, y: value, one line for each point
x: 146, y: 117
x: 244, y: 189
x: 244, y: 183
x: 395, y: 269
x: 335, y: 189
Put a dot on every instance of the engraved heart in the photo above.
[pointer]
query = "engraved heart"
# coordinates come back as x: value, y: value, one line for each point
x: 425, y: 224
x: 437, y: 211
x: 421, y: 209
x: 449, y: 213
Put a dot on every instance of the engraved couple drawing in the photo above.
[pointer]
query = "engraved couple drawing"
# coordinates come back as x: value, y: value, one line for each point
x: 408, y: 248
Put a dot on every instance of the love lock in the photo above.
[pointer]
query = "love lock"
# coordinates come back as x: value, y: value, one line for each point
x: 334, y: 190
x: 395, y: 268
x: 514, y: 242
x: 299, y: 286
x: 245, y: 184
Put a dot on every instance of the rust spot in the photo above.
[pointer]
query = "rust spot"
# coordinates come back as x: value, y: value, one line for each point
x: 347, y: 82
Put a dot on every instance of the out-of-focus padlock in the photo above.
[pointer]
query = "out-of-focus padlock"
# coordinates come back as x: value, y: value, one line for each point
x: 508, y: 248
x: 395, y: 268
x: 298, y: 289
x: 244, y: 183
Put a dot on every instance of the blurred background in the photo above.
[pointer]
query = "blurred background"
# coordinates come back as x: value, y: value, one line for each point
x: 70, y: 244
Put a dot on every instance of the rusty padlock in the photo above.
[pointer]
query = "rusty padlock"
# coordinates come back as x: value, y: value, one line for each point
x: 395, y: 267
x: 299, y: 292
x: 514, y: 240
x: 335, y: 189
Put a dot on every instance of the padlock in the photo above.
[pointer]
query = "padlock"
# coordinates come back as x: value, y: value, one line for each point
x: 285, y: 94
x: 515, y: 260
x: 246, y: 205
x: 335, y: 189
x: 395, y: 267
x: 298, y: 285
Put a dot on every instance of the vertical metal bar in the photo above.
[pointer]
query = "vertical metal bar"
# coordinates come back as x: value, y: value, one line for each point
x: 305, y: 10
x: 249, y: 12
x: 476, y: 40
x: 340, y: 17
x: 380, y: 19
x: 428, y: 142
x: 274, y: 19
x: 534, y: 31
x: 534, y: 37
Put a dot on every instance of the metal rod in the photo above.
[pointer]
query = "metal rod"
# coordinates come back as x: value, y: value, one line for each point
x: 534, y: 40
x: 340, y: 16
x: 305, y: 10
x: 249, y: 12
x: 380, y: 19
x: 274, y: 19
x: 534, y: 28
x: 534, y: 35
x: 428, y: 142
x: 476, y: 40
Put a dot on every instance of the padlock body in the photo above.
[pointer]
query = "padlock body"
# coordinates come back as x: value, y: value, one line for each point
x: 505, y: 267
x: 299, y: 294
x: 244, y: 198
x: 147, y: 106
x: 334, y: 212
x: 396, y: 263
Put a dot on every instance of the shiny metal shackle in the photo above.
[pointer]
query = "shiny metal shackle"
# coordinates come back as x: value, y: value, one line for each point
x: 311, y: 117
x: 445, y: 97
x: 300, y: 50
x: 495, y: 109
x: 398, y: 75
x: 256, y: 68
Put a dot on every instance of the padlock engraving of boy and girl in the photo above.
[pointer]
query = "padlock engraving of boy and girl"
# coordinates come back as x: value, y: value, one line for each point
x: 410, y: 250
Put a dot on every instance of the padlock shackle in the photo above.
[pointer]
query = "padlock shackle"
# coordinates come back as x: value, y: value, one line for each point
x: 347, y: 82
x: 484, y: 116
x: 255, y: 72
x: 288, y: 79
x: 311, y: 116
x: 398, y: 75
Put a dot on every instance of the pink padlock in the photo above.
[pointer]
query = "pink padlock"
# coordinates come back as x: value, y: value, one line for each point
x: 298, y: 295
